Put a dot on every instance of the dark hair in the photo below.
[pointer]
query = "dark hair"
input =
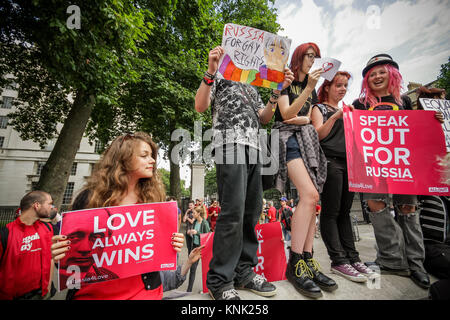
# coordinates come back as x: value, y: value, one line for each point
x: 431, y: 93
x: 32, y: 197
x: 191, y: 201
x: 82, y: 200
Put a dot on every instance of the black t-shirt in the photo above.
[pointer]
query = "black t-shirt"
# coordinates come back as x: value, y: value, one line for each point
x: 333, y: 145
x: 406, y: 105
x: 293, y: 92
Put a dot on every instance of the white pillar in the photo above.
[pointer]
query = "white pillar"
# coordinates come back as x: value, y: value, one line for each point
x: 197, y: 181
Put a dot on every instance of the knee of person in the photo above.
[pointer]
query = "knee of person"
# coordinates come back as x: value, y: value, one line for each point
x: 310, y: 199
x: 406, y: 208
x: 376, y: 206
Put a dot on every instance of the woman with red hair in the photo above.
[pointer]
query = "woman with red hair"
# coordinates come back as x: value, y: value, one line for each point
x: 302, y: 159
x: 337, y: 200
x: 400, y: 241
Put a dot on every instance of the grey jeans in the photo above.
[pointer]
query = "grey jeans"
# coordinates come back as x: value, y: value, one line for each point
x: 400, y: 239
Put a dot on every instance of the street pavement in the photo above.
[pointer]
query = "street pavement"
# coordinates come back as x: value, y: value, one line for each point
x: 386, y: 287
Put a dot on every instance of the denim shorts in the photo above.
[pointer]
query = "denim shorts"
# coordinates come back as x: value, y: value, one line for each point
x: 292, y: 149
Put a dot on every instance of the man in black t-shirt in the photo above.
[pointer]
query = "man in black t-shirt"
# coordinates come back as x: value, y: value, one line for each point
x: 237, y: 111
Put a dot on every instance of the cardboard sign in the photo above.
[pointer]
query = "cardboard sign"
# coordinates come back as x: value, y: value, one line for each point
x: 271, y: 254
x: 330, y: 67
x: 254, y: 56
x: 117, y: 242
x: 444, y: 107
x: 394, y: 152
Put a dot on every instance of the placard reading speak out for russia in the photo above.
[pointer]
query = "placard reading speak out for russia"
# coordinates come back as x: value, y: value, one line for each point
x: 117, y: 242
x: 394, y: 152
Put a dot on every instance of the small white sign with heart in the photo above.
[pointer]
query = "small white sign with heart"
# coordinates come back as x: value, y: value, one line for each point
x: 329, y: 65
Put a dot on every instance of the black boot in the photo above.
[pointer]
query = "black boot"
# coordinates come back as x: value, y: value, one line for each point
x: 324, y: 282
x: 299, y: 275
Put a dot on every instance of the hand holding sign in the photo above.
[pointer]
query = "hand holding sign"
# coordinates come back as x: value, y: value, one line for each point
x: 313, y: 78
x: 329, y: 66
x: 116, y: 242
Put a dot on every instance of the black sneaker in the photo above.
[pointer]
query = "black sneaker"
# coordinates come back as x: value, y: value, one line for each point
x: 260, y: 286
x: 325, y: 283
x: 227, y: 294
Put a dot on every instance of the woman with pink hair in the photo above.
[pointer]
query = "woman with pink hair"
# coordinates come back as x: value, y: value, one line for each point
x: 400, y: 241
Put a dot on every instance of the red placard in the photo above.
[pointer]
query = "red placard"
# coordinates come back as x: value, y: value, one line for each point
x: 271, y: 254
x: 394, y: 152
x: 117, y: 242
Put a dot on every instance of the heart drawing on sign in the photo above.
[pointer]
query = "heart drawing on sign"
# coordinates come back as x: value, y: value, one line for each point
x: 327, y: 66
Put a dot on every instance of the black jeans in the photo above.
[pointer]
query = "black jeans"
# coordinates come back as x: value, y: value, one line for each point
x: 235, y: 243
x: 192, y: 271
x: 335, y: 223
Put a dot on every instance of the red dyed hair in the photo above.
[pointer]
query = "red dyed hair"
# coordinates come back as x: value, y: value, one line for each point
x: 395, y: 84
x: 299, y: 55
x: 322, y: 94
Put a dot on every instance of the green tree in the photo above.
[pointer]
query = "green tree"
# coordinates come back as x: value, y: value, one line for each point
x: 163, y: 99
x: 165, y: 177
x: 444, y: 78
x: 49, y: 61
x: 133, y: 65
x: 210, y: 181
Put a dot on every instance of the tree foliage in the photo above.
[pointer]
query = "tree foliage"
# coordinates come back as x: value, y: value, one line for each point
x: 444, y: 78
x: 133, y: 65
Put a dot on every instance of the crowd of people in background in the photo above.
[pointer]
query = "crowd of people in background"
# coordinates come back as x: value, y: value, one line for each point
x: 312, y: 157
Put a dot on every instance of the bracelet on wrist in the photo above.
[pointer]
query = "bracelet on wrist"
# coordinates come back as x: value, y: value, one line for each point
x: 209, y: 75
x: 273, y: 103
x: 208, y: 81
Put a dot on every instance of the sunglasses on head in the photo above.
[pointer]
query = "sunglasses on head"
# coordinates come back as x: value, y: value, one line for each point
x: 126, y: 137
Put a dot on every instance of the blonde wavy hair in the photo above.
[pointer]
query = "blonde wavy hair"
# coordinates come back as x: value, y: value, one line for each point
x: 201, y: 210
x: 108, y: 183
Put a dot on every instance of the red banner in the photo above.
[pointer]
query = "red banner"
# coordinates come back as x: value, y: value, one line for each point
x: 271, y: 254
x: 117, y: 242
x: 394, y: 152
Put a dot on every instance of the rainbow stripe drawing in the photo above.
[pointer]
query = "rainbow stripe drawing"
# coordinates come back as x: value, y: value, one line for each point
x: 254, y: 56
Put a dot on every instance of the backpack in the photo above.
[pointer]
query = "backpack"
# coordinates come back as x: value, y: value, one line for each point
x: 435, y: 223
x: 286, y: 215
x: 435, y: 218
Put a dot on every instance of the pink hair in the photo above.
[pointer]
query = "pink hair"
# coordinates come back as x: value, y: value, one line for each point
x: 394, y: 86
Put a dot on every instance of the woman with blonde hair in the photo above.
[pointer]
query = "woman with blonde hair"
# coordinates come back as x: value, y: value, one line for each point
x: 125, y: 175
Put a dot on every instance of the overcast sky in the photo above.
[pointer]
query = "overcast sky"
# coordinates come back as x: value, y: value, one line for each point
x: 415, y: 33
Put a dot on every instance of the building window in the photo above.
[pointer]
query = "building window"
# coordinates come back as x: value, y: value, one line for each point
x: 7, y: 102
x: 2, y: 140
x: 34, y: 185
x: 73, y: 170
x: 3, y: 122
x: 68, y: 193
x: 40, y: 165
x: 98, y: 148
